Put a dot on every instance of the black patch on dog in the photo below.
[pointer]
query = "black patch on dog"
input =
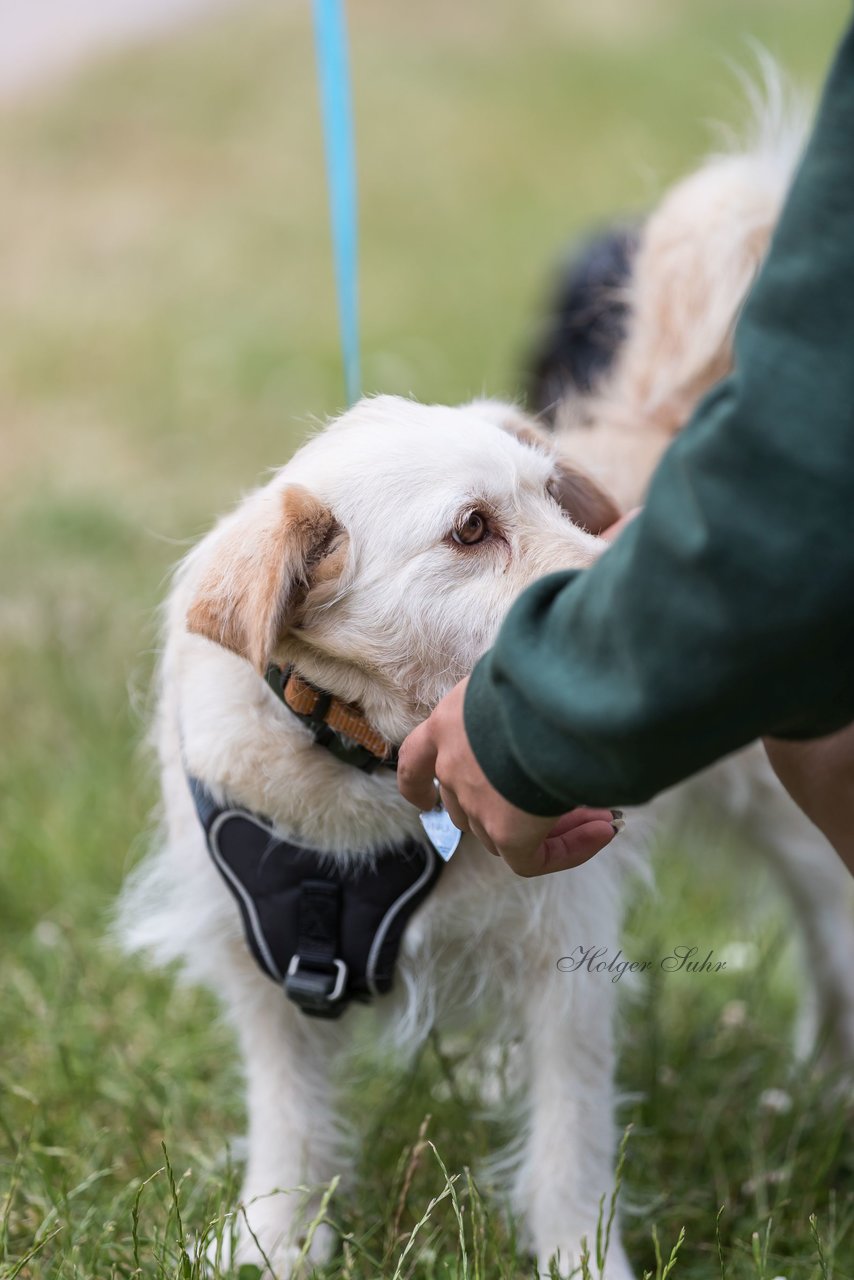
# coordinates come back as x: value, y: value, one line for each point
x: 585, y: 322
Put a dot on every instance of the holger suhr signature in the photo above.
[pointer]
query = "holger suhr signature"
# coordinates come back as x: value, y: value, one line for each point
x: 682, y: 959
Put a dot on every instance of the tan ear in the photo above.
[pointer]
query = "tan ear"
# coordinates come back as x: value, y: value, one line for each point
x: 583, y: 501
x: 577, y: 492
x: 263, y: 573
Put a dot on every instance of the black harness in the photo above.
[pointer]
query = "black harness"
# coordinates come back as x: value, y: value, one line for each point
x: 328, y: 931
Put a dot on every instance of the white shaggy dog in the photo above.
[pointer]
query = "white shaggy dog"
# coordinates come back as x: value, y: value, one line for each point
x: 351, y: 564
x: 379, y: 563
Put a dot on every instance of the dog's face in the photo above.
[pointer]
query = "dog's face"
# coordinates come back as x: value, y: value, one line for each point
x: 383, y: 558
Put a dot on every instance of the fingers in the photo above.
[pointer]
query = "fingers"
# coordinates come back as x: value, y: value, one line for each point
x: 454, y: 810
x: 463, y: 822
x: 568, y: 822
x: 564, y: 849
x: 531, y: 845
x: 416, y: 768
x: 482, y: 835
x: 573, y: 840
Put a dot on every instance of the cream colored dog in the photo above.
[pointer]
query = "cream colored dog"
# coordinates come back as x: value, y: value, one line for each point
x: 355, y: 564
x: 380, y: 562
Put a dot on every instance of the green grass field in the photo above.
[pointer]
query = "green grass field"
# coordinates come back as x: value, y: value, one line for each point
x: 167, y: 331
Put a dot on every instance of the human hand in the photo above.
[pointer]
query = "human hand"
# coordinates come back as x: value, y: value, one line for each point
x: 532, y: 846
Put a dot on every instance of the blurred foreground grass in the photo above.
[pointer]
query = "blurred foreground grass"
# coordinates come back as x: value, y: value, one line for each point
x: 166, y: 332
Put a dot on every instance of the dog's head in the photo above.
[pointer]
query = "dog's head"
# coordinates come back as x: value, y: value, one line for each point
x: 383, y: 558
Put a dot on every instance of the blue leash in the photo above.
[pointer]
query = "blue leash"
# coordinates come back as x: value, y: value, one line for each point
x: 330, y: 32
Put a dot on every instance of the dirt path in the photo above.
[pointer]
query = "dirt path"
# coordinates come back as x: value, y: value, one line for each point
x: 41, y: 40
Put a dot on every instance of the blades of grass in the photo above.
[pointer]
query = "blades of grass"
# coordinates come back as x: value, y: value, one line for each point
x: 183, y: 1256
x: 32, y: 1253
x: 586, y: 1273
x: 766, y: 1244
x: 14, y: 1181
x: 674, y: 1254
x: 600, y: 1242
x: 718, y: 1241
x: 822, y: 1260
x: 412, y: 1163
x: 602, y: 1247
x: 458, y: 1212
x: 422, y: 1221
x: 756, y: 1250
x: 255, y: 1241
x: 81, y: 1221
x: 211, y: 1237
x: 759, y: 1250
x: 134, y: 1216
x: 355, y: 1245
x: 478, y: 1227
x: 319, y: 1217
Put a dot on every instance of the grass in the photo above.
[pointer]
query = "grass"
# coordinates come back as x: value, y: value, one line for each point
x: 166, y: 332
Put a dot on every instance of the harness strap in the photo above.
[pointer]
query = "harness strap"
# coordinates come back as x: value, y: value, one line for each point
x: 316, y: 977
x: 317, y: 940
x: 328, y: 930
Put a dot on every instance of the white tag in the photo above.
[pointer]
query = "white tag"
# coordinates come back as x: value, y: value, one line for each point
x: 442, y: 833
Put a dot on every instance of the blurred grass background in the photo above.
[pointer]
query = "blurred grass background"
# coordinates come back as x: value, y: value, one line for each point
x: 167, y: 331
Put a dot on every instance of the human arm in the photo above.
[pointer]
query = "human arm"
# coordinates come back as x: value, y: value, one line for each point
x: 726, y: 611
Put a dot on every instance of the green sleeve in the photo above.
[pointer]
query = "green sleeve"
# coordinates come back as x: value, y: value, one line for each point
x: 726, y: 610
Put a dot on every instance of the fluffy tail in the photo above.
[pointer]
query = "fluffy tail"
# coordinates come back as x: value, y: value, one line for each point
x: 659, y: 309
x: 698, y: 256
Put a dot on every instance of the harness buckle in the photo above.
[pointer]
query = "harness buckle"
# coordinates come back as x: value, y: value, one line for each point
x: 317, y: 990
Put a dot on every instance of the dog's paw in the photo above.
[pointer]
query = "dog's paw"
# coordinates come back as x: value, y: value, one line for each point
x: 263, y: 1251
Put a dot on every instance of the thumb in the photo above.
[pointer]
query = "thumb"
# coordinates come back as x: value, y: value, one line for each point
x: 416, y: 768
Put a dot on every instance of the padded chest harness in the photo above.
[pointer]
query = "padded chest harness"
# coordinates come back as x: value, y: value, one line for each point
x: 328, y: 931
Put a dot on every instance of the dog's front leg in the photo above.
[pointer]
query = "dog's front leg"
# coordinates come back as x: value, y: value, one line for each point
x: 568, y: 1163
x: 295, y: 1132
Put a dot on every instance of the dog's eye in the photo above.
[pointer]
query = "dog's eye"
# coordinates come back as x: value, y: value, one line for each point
x: 473, y: 529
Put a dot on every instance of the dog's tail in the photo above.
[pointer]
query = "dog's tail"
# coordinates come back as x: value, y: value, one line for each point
x: 676, y: 293
x: 585, y: 322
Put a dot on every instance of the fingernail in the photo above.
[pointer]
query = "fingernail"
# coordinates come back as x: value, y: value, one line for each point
x: 618, y: 825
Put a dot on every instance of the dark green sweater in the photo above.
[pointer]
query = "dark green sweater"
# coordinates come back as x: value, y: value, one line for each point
x: 726, y: 610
